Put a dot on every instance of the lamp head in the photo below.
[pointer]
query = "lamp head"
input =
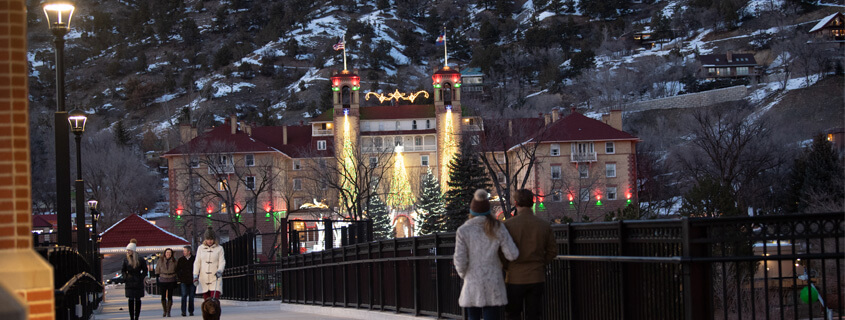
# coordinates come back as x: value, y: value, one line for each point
x: 77, y: 119
x: 58, y: 14
x: 92, y: 203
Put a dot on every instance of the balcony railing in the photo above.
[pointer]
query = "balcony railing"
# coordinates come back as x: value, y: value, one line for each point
x: 584, y: 157
x: 405, y: 148
x: 322, y: 132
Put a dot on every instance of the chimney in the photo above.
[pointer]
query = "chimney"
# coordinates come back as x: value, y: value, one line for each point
x: 548, y: 118
x: 247, y: 128
x: 510, y: 128
x: 186, y: 133
x: 572, y: 110
x: 615, y: 119
x: 285, y: 134
x: 729, y: 56
x: 555, y: 115
x: 233, y: 121
x: 604, y: 117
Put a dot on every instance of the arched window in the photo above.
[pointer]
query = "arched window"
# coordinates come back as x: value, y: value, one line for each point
x: 345, y: 96
x: 447, y: 93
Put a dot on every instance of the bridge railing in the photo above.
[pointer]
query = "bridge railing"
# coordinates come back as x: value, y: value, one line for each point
x: 698, y: 268
x: 77, y: 291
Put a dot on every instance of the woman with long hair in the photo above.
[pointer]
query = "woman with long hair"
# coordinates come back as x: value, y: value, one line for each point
x: 166, y: 271
x: 134, y: 271
x: 477, y: 245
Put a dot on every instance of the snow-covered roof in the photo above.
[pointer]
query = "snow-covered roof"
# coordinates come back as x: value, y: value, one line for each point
x: 824, y: 21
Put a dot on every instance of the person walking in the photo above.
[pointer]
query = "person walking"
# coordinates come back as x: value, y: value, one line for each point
x: 477, y: 245
x: 166, y: 271
x: 208, y: 267
x: 184, y: 274
x: 134, y: 270
x: 526, y: 276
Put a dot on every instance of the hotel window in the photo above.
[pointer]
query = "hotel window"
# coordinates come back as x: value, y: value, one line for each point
x: 397, y: 141
x: 584, y: 171
x: 321, y: 144
x: 474, y: 140
x: 609, y: 148
x: 297, y: 202
x: 250, y: 207
x: 195, y: 163
x: 610, y: 170
x: 249, y: 160
x: 414, y: 125
x: 223, y: 207
x: 418, y: 141
x: 377, y: 143
x: 611, y: 193
x: 322, y: 163
x: 555, y: 149
x: 297, y: 184
x: 585, y: 194
x: 428, y: 124
x: 424, y: 161
x: 222, y: 185
x: 250, y: 183
x: 502, y: 177
x: 500, y: 158
x: 297, y: 164
x: 555, y: 172
x: 557, y: 196
x: 373, y: 162
x: 397, y: 126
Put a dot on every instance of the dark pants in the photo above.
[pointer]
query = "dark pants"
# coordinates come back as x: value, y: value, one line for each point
x: 528, y: 295
x: 188, y: 294
x: 166, y: 289
x: 134, y: 308
x: 488, y: 313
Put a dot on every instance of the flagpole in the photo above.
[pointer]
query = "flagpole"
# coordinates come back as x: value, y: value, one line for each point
x: 344, y: 53
x: 445, y: 53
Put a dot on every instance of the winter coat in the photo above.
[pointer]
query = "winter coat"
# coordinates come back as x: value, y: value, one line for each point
x: 134, y: 278
x: 185, y: 269
x: 477, y: 262
x: 537, y: 247
x: 209, y: 262
x: 166, y: 270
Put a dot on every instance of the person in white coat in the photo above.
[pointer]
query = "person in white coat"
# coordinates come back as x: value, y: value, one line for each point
x: 477, y: 245
x: 208, y: 267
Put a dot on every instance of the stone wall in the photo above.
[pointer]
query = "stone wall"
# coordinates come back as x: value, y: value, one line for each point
x: 22, y: 270
x: 691, y: 100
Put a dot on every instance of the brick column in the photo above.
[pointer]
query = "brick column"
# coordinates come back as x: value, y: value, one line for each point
x: 22, y: 270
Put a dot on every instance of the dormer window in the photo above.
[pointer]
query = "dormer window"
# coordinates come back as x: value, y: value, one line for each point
x: 397, y: 126
x: 321, y: 144
x: 428, y: 124
x: 414, y: 125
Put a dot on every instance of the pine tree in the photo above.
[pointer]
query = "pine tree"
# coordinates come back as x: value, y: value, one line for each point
x: 466, y: 174
x: 430, y: 207
x: 121, y: 135
x: 815, y: 182
x: 381, y: 219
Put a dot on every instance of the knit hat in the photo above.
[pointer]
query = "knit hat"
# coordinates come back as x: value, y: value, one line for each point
x: 209, y: 234
x: 132, y: 245
x: 480, y: 206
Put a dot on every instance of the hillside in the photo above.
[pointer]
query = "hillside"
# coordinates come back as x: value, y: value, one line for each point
x: 146, y: 64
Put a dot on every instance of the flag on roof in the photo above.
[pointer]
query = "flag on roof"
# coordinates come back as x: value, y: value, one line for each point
x: 441, y: 39
x: 340, y: 45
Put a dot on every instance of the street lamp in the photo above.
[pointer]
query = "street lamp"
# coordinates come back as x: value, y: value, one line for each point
x: 77, y: 119
x: 95, y: 216
x: 58, y: 15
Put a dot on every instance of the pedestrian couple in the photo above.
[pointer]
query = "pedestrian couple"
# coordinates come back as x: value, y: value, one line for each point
x: 194, y: 274
x: 525, y: 241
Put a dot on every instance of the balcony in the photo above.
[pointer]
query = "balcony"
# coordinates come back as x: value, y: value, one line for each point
x: 583, y: 157
x: 373, y: 149
x: 218, y: 169
x: 322, y: 132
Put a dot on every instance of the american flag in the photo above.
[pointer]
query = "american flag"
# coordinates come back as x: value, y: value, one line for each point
x: 339, y: 45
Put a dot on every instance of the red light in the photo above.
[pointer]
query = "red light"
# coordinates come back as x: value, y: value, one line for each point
x: 455, y: 79
x: 268, y: 208
x: 179, y: 212
x: 335, y: 81
x: 628, y: 195
x: 598, y: 197
x: 437, y: 78
x: 237, y: 209
x: 356, y: 81
x: 571, y: 197
x: 209, y: 209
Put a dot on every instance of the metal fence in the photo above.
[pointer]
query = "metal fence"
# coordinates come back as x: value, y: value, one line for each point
x: 77, y: 292
x: 699, y: 268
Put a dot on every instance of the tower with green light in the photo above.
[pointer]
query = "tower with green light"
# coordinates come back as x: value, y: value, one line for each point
x: 447, y: 108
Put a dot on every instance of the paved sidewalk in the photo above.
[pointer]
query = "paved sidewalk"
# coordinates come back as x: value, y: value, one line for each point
x: 116, y: 307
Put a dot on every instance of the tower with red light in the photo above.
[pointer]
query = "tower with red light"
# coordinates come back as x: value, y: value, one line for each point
x: 346, y: 89
x: 447, y: 108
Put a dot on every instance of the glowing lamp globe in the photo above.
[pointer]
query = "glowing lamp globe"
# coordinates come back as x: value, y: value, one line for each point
x: 58, y: 14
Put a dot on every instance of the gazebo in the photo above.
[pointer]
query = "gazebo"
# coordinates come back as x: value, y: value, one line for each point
x: 151, y: 238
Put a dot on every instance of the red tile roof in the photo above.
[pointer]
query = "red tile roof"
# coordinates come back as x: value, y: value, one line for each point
x: 577, y: 127
x: 221, y: 139
x: 410, y: 111
x: 135, y: 227
x: 263, y: 139
x: 721, y: 60
x: 43, y: 221
x: 300, y: 142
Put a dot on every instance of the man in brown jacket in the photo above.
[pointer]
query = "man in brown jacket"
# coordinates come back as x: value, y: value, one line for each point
x: 526, y: 276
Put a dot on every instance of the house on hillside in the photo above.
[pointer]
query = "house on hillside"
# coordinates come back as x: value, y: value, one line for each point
x: 472, y: 81
x: 727, y: 66
x: 836, y: 137
x: 830, y: 28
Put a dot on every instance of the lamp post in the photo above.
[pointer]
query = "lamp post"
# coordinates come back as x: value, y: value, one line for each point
x: 95, y: 248
x: 77, y: 119
x: 58, y: 15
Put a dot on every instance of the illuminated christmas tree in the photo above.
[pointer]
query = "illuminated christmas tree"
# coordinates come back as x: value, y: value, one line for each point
x: 430, y: 207
x: 400, y: 196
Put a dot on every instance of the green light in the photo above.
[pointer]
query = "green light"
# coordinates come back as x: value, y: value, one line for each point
x: 437, y: 86
x: 209, y: 215
x: 267, y: 215
x: 178, y: 217
x: 598, y: 203
x: 355, y: 88
x: 457, y: 85
x: 335, y: 89
x: 629, y: 201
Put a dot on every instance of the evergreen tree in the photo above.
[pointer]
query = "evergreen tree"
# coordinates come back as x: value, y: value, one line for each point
x: 709, y: 198
x: 466, y: 174
x: 816, y: 180
x: 121, y: 134
x: 430, y: 206
x: 377, y: 211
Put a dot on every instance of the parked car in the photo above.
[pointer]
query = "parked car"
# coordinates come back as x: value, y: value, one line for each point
x: 117, y: 279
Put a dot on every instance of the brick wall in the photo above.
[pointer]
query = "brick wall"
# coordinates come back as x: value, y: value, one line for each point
x: 691, y: 100
x: 22, y: 270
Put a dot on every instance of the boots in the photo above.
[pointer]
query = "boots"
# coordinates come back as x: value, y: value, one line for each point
x: 132, y: 309
x: 169, y: 306
x: 137, y: 309
x: 163, y: 308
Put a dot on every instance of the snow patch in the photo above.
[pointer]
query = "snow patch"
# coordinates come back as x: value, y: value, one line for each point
x: 156, y: 65
x: 223, y: 89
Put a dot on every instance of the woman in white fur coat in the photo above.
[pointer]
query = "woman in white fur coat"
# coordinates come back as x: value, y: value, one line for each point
x: 477, y: 245
x: 208, y: 267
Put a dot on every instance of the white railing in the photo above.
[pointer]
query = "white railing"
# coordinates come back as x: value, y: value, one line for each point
x: 583, y: 157
x: 321, y: 132
x: 405, y: 148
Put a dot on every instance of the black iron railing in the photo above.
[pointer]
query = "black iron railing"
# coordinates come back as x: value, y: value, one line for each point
x: 699, y: 268
x: 77, y: 292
